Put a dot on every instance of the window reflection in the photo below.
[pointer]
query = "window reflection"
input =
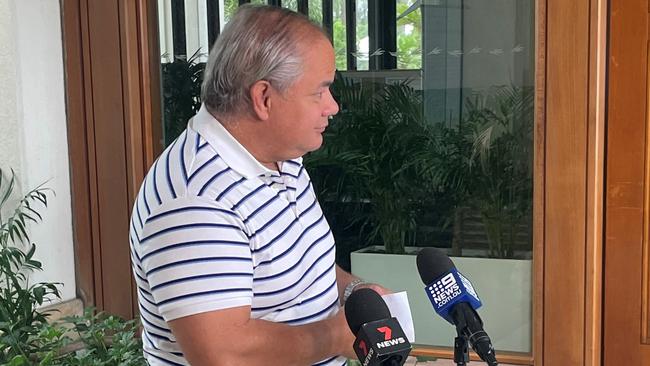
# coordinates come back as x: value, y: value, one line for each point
x: 433, y: 144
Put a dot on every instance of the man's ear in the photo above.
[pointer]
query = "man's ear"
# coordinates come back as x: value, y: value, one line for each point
x: 260, y: 94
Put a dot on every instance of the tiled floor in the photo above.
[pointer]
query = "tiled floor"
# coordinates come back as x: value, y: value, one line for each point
x: 412, y: 361
x: 443, y: 362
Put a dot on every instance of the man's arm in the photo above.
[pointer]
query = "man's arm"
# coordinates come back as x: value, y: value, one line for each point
x: 229, y: 337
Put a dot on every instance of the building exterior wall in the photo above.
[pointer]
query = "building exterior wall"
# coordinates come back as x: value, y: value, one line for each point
x: 33, y: 137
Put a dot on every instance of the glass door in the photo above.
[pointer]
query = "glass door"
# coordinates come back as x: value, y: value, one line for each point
x: 437, y: 111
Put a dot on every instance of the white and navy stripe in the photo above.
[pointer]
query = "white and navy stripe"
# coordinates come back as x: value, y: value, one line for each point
x: 212, y: 228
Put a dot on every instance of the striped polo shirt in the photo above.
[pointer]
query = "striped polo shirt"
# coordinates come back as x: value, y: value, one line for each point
x: 212, y: 229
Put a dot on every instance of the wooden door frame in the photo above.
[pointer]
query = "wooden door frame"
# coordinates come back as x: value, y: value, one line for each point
x: 576, y: 44
x: 113, y: 107
x: 627, y: 248
x: 569, y: 148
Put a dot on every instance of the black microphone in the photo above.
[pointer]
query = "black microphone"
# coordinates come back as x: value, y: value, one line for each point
x: 380, y: 339
x: 454, y: 298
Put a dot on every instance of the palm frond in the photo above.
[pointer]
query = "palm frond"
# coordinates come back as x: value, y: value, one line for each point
x: 14, y: 229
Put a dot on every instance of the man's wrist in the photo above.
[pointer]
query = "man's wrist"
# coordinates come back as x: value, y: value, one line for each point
x: 349, y: 289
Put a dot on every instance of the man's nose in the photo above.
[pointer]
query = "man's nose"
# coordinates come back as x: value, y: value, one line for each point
x: 332, y: 106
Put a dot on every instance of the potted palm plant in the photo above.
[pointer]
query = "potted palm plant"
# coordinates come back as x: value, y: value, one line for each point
x: 374, y: 160
x: 488, y: 165
x: 489, y: 168
x: 181, y: 81
x: 386, y: 166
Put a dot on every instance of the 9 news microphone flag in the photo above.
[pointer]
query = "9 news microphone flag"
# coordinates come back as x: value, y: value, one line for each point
x: 453, y: 297
x: 380, y: 339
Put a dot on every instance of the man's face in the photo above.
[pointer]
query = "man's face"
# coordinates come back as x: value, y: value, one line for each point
x: 299, y: 116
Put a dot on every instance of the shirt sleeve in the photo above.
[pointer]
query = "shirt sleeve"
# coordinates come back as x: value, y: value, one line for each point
x: 196, y: 257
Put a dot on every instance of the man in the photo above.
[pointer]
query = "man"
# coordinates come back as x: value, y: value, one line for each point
x: 232, y: 256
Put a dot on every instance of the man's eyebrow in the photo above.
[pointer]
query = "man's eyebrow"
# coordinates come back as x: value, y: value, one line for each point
x: 326, y: 83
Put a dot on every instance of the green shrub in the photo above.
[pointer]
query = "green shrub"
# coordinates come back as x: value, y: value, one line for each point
x: 26, y: 336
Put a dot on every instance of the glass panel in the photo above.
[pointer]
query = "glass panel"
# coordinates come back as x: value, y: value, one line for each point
x: 340, y: 42
x: 439, y: 155
x: 409, y: 34
x: 230, y: 7
x: 290, y: 4
x: 316, y: 11
x: 363, y: 53
x: 435, y: 153
x: 183, y: 27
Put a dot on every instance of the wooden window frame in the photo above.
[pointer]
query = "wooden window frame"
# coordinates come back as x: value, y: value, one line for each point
x: 569, y: 148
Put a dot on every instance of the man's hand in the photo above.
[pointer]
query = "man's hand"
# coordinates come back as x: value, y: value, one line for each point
x: 349, y: 338
x: 375, y: 287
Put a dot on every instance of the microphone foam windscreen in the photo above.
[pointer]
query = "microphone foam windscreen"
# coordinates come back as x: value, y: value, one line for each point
x: 364, y: 306
x: 433, y: 263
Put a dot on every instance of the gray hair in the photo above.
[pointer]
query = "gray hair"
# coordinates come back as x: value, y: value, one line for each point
x: 259, y: 43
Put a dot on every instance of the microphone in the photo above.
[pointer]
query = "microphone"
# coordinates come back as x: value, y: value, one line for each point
x: 454, y: 299
x: 380, y: 339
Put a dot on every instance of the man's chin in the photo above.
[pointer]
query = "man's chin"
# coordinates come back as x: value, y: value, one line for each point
x: 309, y: 148
x: 317, y: 146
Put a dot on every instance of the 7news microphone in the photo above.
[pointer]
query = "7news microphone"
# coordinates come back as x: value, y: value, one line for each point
x: 454, y: 299
x: 380, y: 340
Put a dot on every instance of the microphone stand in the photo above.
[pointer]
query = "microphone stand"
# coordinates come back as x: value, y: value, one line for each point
x: 461, y: 343
x: 461, y: 350
x: 393, y: 361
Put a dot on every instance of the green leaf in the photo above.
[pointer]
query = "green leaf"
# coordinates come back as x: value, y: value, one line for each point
x: 39, y: 293
x: 9, y: 189
x: 18, y: 360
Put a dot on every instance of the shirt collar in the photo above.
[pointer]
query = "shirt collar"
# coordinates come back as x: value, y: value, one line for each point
x: 229, y: 149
